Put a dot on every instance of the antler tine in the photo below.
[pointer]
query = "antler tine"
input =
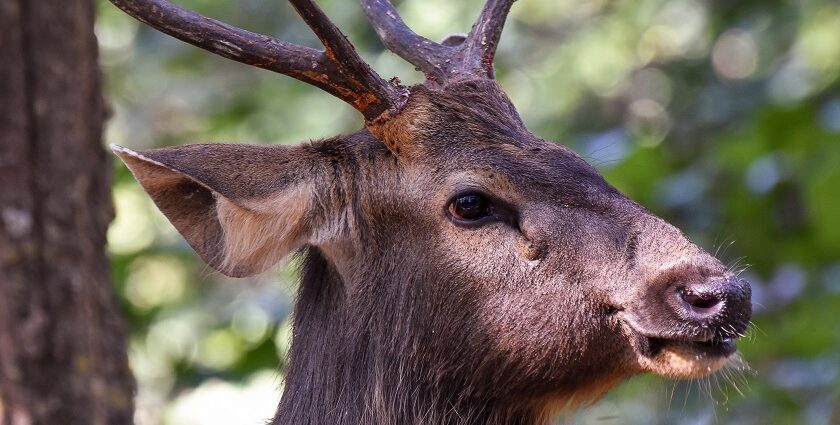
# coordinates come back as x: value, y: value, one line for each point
x: 426, y: 55
x: 339, y: 71
x: 340, y: 51
x: 481, y: 43
x: 471, y: 57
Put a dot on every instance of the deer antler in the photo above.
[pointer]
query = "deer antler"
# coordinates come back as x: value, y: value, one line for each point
x: 338, y: 70
x: 426, y: 55
x: 471, y: 57
x: 480, y: 45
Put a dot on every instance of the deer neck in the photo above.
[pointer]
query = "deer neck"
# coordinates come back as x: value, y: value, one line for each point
x: 337, y: 375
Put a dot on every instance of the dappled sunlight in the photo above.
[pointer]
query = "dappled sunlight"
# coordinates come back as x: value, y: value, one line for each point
x: 819, y: 41
x: 216, y: 402
x: 735, y: 55
x: 155, y: 280
x: 132, y: 228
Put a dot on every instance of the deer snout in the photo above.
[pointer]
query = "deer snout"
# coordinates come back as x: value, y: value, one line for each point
x: 687, y: 321
x: 690, y: 304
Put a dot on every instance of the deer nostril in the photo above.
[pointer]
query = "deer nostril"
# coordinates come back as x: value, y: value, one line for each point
x: 700, y: 301
x: 702, y: 304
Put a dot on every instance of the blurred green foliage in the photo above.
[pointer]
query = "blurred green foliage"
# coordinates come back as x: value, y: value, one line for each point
x: 722, y: 117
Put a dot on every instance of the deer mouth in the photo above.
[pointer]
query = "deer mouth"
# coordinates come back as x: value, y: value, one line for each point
x: 693, y: 354
x: 703, y: 341
x: 717, y: 347
x: 687, y: 327
x: 683, y: 358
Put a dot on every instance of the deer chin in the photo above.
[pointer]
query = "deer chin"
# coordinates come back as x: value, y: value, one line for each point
x: 683, y: 359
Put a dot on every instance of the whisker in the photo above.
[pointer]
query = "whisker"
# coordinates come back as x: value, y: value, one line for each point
x: 754, y: 325
x: 687, y: 393
x: 671, y: 396
x: 725, y: 246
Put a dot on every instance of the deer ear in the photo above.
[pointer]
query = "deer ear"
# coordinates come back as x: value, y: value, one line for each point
x: 241, y: 207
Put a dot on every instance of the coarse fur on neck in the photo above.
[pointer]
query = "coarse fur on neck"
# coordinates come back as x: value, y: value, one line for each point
x: 337, y: 374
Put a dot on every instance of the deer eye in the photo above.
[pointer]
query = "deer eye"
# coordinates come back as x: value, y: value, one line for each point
x: 470, y: 207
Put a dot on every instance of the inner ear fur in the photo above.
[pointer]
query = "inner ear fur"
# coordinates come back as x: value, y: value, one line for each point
x: 240, y: 207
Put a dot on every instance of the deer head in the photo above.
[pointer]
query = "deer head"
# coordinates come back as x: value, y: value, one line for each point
x: 458, y: 269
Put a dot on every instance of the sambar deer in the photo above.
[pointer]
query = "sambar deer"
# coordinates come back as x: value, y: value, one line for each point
x: 458, y: 269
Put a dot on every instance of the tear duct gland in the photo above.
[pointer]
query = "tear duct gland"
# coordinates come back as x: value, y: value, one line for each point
x: 458, y: 269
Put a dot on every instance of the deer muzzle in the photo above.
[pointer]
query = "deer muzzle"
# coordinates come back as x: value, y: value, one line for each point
x: 685, y: 324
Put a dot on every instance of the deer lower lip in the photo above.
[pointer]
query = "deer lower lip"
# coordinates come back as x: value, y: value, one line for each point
x: 717, y: 347
x: 724, y: 347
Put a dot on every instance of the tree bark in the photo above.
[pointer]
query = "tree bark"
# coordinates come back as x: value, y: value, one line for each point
x: 62, y: 341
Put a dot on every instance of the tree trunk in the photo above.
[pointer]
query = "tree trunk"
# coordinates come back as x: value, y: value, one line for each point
x: 62, y: 341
